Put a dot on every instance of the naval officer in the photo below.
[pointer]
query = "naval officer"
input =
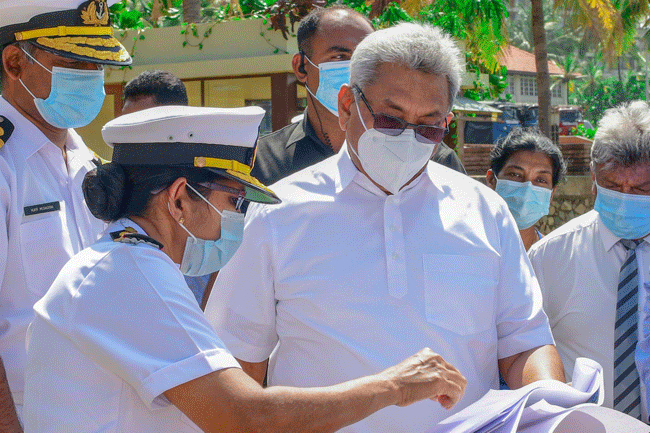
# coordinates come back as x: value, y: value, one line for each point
x: 52, y: 81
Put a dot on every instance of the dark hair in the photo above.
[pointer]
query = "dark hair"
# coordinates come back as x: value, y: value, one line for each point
x: 164, y: 86
x: 310, y: 23
x: 113, y: 191
x: 527, y: 139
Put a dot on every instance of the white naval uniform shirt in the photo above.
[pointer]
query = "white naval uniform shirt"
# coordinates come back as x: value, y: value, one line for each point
x: 348, y: 281
x: 117, y: 329
x: 34, y: 248
x: 578, y: 267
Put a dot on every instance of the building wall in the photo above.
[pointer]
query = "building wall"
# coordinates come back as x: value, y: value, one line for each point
x: 239, y: 63
x: 524, y: 90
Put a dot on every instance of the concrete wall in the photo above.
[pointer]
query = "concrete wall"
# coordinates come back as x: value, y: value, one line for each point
x: 572, y: 198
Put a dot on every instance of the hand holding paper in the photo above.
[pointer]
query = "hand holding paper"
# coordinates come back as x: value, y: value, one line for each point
x: 538, y: 407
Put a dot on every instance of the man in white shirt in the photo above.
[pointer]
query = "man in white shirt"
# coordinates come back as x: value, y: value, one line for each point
x: 594, y: 269
x: 376, y: 251
x: 52, y: 81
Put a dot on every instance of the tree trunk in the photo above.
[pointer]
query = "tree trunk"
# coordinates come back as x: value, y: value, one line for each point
x: 541, y: 62
x: 192, y: 11
x: 156, y: 12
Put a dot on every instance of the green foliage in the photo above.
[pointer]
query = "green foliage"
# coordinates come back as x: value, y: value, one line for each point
x: 584, y: 132
x: 253, y: 7
x: 480, y: 23
x: 392, y: 14
x: 602, y: 93
x: 125, y: 18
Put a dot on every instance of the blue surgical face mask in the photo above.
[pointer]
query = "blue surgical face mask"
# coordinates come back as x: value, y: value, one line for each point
x: 203, y: 257
x: 527, y: 202
x: 331, y: 76
x: 625, y: 215
x: 76, y: 96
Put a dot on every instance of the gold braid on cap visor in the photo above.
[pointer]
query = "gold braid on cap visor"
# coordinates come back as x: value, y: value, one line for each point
x: 235, y: 168
x: 226, y: 164
x: 72, y: 39
x: 64, y: 31
x: 68, y: 44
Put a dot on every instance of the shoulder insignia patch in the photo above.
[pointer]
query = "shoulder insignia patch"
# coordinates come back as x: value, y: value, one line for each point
x: 6, y: 129
x: 130, y: 236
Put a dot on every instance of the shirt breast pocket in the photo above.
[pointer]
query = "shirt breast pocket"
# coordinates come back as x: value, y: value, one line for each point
x: 44, y: 249
x: 460, y: 292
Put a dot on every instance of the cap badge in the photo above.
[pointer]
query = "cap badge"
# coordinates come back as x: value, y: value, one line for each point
x: 95, y: 13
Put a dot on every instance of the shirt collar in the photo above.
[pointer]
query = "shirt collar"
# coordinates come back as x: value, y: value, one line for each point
x: 346, y: 168
x: 123, y: 223
x: 608, y: 238
x: 436, y: 173
x: 304, y: 130
x: 24, y: 128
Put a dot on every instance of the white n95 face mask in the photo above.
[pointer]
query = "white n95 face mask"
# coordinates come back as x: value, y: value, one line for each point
x: 391, y: 161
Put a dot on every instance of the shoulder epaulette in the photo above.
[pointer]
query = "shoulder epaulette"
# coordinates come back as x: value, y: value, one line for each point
x: 6, y: 129
x: 130, y: 236
x: 98, y: 160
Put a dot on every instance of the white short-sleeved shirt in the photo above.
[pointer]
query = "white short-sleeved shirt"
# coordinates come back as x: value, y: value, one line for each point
x: 36, y: 241
x: 117, y: 329
x: 578, y: 267
x: 349, y: 281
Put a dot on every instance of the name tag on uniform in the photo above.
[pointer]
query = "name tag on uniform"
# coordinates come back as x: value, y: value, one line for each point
x: 42, y: 208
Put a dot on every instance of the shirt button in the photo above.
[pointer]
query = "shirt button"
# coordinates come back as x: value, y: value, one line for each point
x: 395, y: 256
x: 393, y: 228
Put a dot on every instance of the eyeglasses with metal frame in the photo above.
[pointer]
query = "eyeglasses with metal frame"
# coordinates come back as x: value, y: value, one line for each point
x: 237, y: 201
x: 394, y: 126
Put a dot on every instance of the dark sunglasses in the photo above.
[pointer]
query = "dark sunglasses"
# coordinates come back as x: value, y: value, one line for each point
x: 394, y: 126
x: 237, y: 201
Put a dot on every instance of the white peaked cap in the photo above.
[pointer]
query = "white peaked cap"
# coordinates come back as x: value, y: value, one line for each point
x: 183, y: 124
x: 222, y: 140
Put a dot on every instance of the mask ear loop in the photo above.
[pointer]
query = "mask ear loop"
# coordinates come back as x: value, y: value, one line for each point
x: 356, y: 103
x: 304, y: 56
x: 204, y: 199
x: 39, y: 64
x: 180, y: 223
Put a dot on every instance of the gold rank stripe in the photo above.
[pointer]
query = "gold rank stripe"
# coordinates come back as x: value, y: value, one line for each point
x: 250, y: 179
x: 69, y: 45
x: 226, y: 164
x: 82, y: 40
x: 64, y: 31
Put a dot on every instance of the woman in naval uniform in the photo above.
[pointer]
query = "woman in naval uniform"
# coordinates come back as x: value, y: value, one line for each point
x: 119, y: 343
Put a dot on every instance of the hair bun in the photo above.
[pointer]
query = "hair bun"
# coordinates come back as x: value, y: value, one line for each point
x: 103, y: 190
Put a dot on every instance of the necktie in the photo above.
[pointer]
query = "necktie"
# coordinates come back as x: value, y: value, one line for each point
x: 627, y: 397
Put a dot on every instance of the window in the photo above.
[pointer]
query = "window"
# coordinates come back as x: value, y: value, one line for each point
x: 511, y: 86
x: 528, y: 86
x: 266, y: 126
x: 556, y: 91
